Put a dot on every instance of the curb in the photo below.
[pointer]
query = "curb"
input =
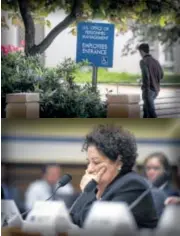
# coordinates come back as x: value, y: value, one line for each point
x: 138, y: 85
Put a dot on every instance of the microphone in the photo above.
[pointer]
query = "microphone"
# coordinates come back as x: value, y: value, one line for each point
x: 157, y: 183
x: 63, y: 181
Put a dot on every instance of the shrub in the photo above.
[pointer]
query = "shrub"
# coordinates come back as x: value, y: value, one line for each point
x: 60, y: 96
x: 79, y: 102
x: 18, y: 73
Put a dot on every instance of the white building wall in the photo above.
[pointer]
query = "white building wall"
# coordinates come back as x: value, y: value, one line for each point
x: 9, y: 36
x: 121, y: 63
x: 70, y: 152
x: 176, y: 54
x: 63, y: 46
x: 177, y: 59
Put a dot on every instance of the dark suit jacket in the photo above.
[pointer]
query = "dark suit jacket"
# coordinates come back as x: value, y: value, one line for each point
x: 159, y: 198
x: 170, y: 191
x: 2, y: 193
x: 126, y: 188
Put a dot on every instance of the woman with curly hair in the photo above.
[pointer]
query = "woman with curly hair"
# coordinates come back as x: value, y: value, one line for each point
x: 111, y: 155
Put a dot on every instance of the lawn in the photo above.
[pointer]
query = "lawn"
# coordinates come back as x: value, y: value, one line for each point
x: 105, y: 76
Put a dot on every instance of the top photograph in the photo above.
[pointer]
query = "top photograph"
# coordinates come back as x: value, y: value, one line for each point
x: 90, y: 59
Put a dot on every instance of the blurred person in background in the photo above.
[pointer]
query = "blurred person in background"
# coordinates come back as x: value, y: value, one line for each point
x: 8, y: 190
x: 42, y: 189
x: 178, y: 175
x: 155, y: 165
x: 158, y: 195
x: 111, y: 155
x: 174, y: 199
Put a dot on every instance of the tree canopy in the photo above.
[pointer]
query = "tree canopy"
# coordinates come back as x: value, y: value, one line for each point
x: 157, y: 18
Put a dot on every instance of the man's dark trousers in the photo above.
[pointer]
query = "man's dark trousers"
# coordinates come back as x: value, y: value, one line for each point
x: 148, y: 106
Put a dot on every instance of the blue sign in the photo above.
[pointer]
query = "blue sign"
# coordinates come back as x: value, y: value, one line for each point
x: 95, y: 43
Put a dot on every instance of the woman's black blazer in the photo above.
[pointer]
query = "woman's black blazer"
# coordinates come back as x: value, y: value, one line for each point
x: 124, y: 188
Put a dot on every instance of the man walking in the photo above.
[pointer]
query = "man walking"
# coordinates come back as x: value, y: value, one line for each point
x: 152, y: 73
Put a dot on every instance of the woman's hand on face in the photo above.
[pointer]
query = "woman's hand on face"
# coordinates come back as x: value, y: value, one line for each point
x: 85, y: 180
x: 100, y: 169
x: 96, y: 175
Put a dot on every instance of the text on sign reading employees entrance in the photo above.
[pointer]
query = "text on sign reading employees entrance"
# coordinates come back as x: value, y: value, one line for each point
x: 94, y: 48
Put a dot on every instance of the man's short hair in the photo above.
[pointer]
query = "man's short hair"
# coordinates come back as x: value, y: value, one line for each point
x: 144, y: 47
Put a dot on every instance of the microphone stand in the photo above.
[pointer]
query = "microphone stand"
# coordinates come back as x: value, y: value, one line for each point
x: 26, y: 212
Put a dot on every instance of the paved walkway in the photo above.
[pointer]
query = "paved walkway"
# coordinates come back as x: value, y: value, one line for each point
x: 167, y: 104
x: 118, y: 89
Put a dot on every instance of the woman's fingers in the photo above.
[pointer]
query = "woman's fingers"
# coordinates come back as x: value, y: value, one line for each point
x: 100, y: 166
x: 168, y: 201
x: 172, y: 200
x: 85, y: 180
x: 101, y: 172
x: 95, y: 169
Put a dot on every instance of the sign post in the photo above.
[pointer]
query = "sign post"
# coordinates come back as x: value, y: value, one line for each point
x: 94, y: 78
x: 95, y: 43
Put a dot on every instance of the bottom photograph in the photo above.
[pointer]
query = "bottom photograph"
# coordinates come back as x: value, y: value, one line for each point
x: 90, y: 177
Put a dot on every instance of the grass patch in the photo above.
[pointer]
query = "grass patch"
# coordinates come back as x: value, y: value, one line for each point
x: 104, y: 76
x: 171, y: 79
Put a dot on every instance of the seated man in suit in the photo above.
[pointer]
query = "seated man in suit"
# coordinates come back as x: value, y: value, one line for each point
x: 43, y: 188
x: 111, y: 155
x: 8, y: 190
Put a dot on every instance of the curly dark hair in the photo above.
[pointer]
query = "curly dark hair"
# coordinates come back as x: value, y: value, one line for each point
x: 113, y: 142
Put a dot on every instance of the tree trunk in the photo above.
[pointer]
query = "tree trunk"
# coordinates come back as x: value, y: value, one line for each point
x: 30, y: 47
x: 28, y: 25
x: 39, y: 49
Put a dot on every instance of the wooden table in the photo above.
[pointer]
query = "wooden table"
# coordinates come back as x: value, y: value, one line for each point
x: 17, y: 232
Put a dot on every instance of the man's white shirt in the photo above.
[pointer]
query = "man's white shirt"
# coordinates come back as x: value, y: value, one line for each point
x: 40, y: 190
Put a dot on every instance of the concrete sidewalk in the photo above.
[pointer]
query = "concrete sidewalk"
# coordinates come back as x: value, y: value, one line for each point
x: 121, y: 89
x: 167, y: 103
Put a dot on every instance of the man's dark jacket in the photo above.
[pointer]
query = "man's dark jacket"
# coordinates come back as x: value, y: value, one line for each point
x: 152, y: 74
x: 126, y: 188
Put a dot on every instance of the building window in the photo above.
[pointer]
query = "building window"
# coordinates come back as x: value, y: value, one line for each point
x: 169, y: 59
x: 169, y: 54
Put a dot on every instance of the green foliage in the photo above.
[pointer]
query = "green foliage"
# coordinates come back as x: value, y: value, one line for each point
x: 174, y: 79
x: 60, y: 96
x: 67, y: 69
x: 79, y: 102
x: 158, y: 13
x: 19, y: 73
